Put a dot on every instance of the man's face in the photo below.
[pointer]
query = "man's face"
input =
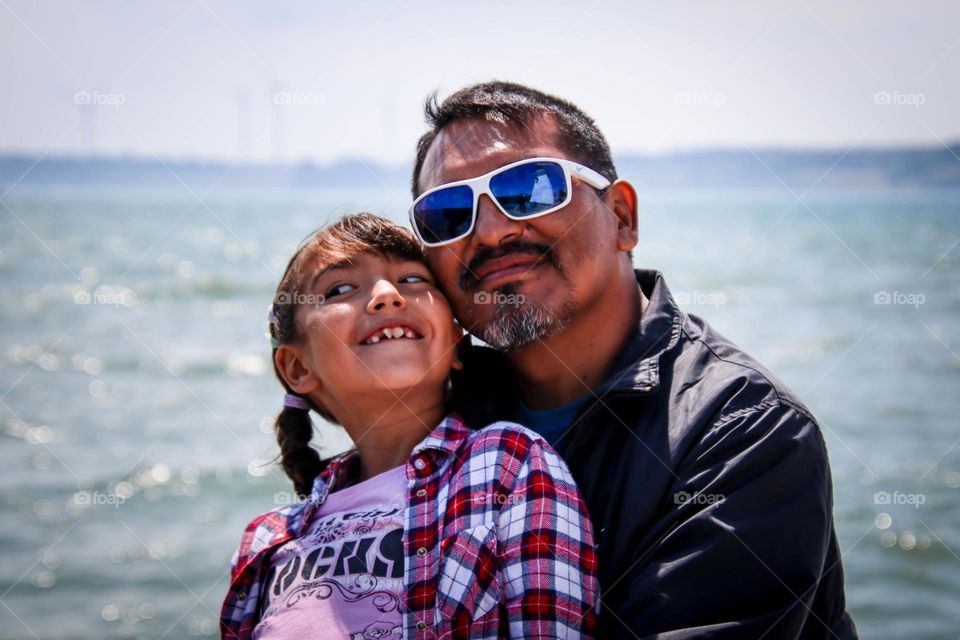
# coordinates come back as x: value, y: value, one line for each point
x: 513, y: 282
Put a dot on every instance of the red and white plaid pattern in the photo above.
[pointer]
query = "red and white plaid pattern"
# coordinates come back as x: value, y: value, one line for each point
x: 497, y: 541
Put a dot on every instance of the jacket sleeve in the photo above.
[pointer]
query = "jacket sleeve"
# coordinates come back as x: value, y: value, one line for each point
x: 545, y: 552
x: 744, y: 538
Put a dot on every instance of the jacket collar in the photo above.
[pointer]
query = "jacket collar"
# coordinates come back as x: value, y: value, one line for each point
x: 637, y: 367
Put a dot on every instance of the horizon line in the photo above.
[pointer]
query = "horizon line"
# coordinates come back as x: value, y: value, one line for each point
x: 293, y: 162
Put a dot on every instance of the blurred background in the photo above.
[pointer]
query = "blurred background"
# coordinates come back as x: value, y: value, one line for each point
x: 799, y: 173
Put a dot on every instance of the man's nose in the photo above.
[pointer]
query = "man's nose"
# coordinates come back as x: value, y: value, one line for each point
x: 493, y: 227
x: 384, y: 296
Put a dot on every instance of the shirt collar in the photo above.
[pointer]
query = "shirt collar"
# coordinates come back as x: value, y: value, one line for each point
x: 344, y: 469
x: 446, y: 437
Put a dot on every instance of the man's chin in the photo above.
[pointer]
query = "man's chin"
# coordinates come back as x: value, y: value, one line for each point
x: 516, y: 325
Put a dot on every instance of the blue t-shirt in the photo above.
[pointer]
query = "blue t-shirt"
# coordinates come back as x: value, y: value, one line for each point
x: 552, y: 424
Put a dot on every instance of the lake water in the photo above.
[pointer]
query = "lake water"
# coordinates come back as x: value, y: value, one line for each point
x: 137, y: 396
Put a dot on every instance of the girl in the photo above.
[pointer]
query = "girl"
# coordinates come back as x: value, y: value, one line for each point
x: 427, y: 528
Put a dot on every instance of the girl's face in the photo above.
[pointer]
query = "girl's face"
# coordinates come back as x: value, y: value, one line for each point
x: 378, y: 324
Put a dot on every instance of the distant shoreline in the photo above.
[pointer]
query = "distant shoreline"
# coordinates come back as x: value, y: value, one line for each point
x: 896, y: 168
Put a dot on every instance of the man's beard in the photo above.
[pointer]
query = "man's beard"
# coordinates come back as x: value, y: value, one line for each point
x: 515, y: 326
x: 517, y: 323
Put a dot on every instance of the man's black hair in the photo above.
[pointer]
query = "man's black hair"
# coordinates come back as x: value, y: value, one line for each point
x: 516, y: 104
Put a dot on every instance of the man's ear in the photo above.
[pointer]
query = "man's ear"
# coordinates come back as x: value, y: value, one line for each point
x: 622, y: 199
x: 290, y: 364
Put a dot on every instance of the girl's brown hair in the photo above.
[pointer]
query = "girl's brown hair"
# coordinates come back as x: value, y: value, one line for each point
x: 342, y: 241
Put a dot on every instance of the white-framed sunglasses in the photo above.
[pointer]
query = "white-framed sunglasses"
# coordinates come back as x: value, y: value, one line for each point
x: 522, y: 190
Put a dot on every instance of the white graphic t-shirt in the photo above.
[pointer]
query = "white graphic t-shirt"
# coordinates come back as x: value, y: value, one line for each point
x: 344, y: 577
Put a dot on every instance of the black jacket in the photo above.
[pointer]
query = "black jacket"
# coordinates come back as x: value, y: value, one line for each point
x: 707, y: 483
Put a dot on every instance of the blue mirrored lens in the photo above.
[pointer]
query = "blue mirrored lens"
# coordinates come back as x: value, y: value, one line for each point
x: 530, y: 189
x: 444, y: 214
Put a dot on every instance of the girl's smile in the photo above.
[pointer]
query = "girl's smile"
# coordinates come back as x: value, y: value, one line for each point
x: 392, y: 331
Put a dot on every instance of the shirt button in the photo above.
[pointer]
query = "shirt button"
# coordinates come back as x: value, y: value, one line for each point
x: 422, y: 551
x: 421, y: 625
x: 419, y: 463
x: 421, y: 493
x: 241, y: 596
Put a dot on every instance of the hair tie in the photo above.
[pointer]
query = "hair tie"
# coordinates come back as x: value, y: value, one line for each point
x: 293, y: 401
x: 275, y: 326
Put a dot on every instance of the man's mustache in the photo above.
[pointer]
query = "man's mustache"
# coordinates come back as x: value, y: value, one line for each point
x: 468, y: 277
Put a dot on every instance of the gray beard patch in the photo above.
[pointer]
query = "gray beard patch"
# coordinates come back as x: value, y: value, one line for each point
x: 515, y: 326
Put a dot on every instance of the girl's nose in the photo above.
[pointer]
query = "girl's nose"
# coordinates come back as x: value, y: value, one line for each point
x: 385, y: 295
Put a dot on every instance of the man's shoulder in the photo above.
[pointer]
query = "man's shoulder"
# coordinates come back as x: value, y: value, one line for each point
x: 697, y: 368
x: 710, y: 369
x: 720, y: 403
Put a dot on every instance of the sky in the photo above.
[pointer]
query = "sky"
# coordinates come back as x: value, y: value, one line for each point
x: 241, y: 81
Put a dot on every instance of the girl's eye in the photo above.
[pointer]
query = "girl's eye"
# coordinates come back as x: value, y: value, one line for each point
x: 414, y: 277
x: 338, y: 290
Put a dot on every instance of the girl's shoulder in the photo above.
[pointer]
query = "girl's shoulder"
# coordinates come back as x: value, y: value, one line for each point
x: 505, y: 433
x: 265, y: 531
x: 335, y: 472
x: 511, y: 444
x: 286, y: 517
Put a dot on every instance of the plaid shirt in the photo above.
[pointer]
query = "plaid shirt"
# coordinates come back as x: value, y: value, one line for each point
x: 497, y: 541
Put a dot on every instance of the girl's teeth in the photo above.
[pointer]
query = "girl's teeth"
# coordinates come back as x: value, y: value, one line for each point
x: 393, y: 333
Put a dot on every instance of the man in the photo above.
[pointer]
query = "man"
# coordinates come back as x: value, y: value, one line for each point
x: 707, y: 480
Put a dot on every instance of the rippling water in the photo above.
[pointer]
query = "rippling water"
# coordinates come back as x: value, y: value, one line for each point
x: 137, y: 395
